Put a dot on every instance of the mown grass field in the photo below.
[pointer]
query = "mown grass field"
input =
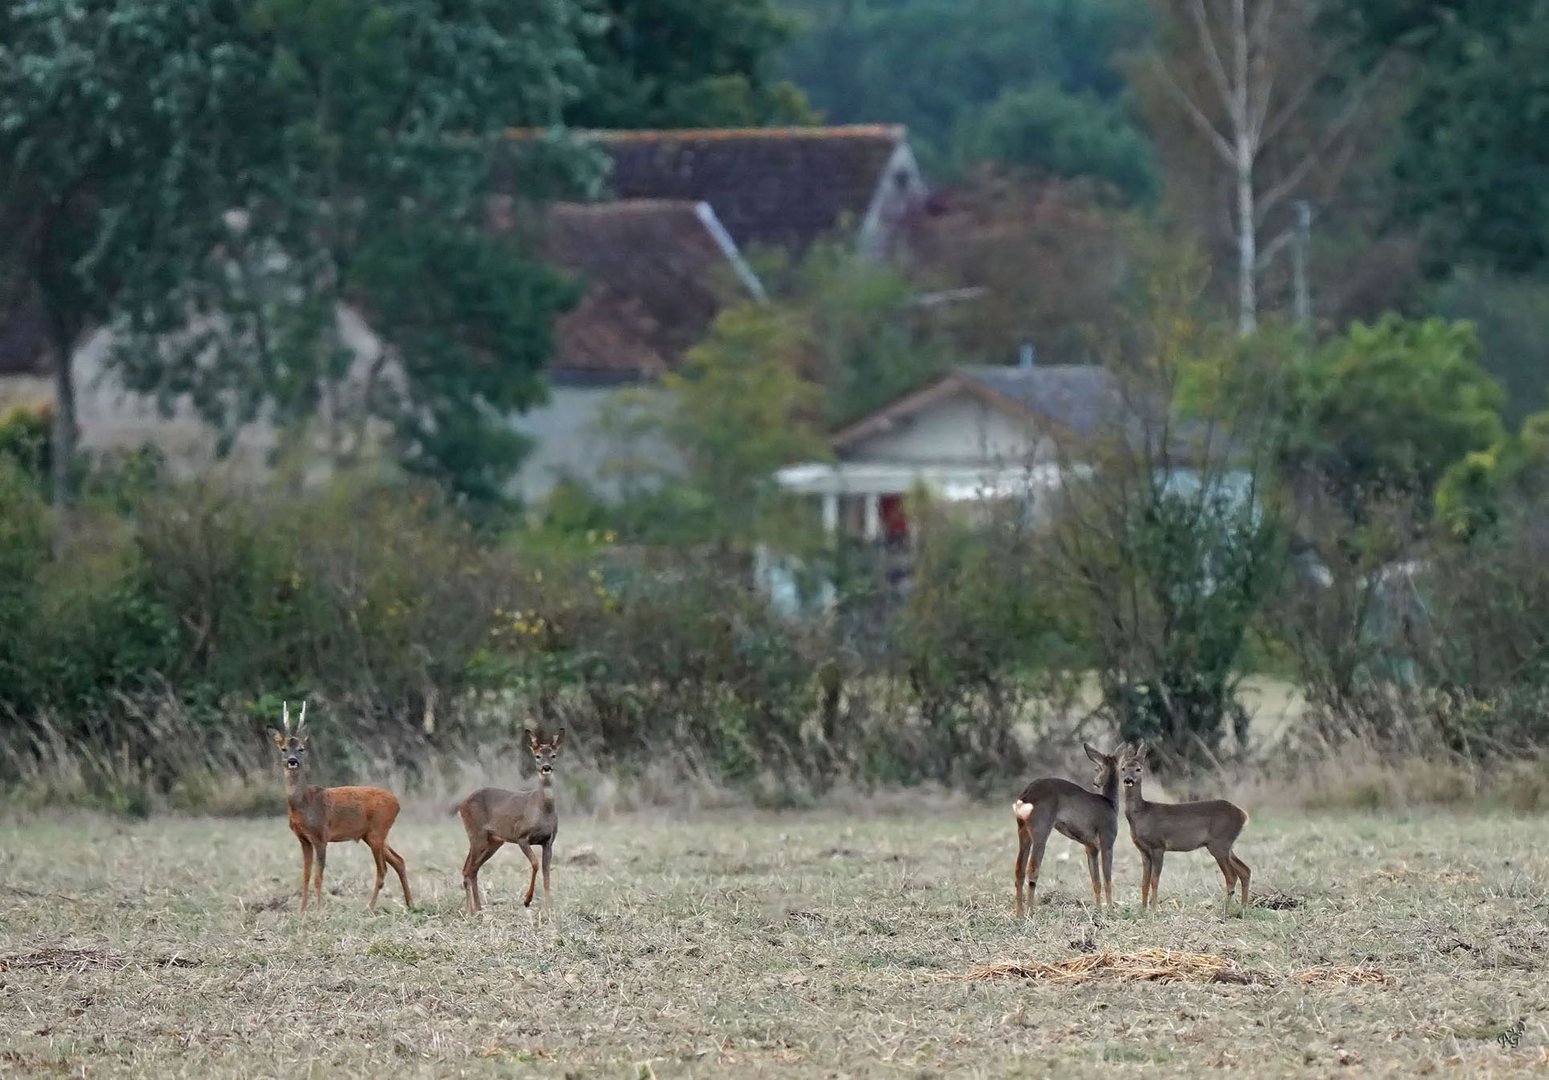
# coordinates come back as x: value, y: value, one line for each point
x: 816, y: 943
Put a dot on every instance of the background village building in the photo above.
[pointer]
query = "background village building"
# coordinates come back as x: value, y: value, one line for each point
x: 659, y: 257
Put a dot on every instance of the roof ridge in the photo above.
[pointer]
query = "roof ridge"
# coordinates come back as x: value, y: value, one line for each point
x: 896, y: 132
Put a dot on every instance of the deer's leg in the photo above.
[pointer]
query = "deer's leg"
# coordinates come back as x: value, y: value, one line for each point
x: 395, y: 860
x: 478, y: 855
x: 1145, y: 877
x: 1156, y: 872
x: 1024, y: 846
x: 319, y: 853
x: 1108, y: 872
x: 1091, y: 868
x: 1243, y: 873
x: 1040, y: 832
x: 306, y: 872
x: 548, y: 851
x: 1223, y: 859
x: 379, y: 859
x: 532, y: 880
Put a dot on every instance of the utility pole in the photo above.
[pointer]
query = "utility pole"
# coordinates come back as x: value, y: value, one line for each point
x: 1299, y: 244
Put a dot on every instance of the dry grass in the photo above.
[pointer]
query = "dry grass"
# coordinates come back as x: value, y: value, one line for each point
x: 752, y: 944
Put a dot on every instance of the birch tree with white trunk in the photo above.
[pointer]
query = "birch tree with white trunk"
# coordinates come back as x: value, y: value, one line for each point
x: 1265, y: 87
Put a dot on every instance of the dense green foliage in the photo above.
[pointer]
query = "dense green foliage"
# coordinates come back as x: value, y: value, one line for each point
x: 1043, y: 68
x: 687, y: 63
x: 1471, y: 146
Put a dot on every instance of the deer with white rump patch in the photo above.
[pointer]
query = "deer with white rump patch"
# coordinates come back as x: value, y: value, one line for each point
x: 1157, y: 828
x: 1090, y: 818
x: 323, y: 816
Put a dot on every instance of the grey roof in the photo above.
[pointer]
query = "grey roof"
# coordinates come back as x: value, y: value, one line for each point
x: 1084, y: 398
x: 1089, y: 400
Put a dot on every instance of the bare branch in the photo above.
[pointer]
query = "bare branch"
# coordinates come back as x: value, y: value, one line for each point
x: 1214, y: 64
x: 1335, y: 131
x: 1198, y: 117
x: 1273, y: 248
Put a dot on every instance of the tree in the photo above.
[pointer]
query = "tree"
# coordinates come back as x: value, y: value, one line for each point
x: 1268, y: 97
x: 381, y: 120
x: 219, y: 180
x: 1059, y: 133
x: 864, y: 336
x: 122, y: 126
x: 1475, y: 493
x: 1389, y: 407
x: 935, y: 65
x: 687, y: 63
x: 1470, y: 146
x: 734, y: 413
x: 1167, y: 542
x: 1049, y: 260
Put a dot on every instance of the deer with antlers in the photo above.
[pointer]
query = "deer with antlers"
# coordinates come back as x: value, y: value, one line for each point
x: 323, y: 816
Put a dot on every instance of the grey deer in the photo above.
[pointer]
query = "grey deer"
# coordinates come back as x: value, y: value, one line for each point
x: 1090, y: 818
x: 323, y: 816
x: 1157, y: 828
x: 494, y: 817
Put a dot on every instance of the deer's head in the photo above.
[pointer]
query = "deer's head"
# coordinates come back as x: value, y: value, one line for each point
x: 1104, y: 763
x: 544, y: 753
x: 292, y: 744
x: 1132, y: 757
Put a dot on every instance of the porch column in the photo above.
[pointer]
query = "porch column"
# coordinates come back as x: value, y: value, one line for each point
x: 873, y: 517
x: 830, y: 515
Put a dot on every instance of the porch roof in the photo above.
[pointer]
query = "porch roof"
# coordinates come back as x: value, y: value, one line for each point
x: 955, y: 483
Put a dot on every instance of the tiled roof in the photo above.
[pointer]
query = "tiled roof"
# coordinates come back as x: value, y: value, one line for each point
x: 774, y: 186
x: 656, y: 274
x: 1082, y: 398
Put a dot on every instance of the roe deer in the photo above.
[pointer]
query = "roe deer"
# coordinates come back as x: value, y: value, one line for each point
x: 323, y: 816
x: 1090, y: 818
x: 494, y: 817
x: 1157, y: 828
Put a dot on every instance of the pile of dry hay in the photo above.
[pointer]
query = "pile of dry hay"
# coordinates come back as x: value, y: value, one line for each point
x: 1160, y: 965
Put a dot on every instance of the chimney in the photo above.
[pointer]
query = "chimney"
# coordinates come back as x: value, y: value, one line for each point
x: 1026, y: 356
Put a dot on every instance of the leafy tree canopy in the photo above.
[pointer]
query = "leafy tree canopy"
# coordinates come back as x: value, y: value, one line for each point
x: 935, y: 64
x: 687, y: 63
x: 1392, y: 405
x: 1472, y: 148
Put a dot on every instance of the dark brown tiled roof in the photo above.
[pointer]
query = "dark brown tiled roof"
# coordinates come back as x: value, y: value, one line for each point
x: 774, y: 186
x: 655, y: 274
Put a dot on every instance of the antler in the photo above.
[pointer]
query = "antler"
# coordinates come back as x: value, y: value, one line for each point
x: 302, y: 723
x: 285, y: 715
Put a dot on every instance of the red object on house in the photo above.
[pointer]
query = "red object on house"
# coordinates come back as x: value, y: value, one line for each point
x: 895, y: 523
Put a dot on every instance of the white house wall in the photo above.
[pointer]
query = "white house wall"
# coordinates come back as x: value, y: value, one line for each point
x: 959, y: 430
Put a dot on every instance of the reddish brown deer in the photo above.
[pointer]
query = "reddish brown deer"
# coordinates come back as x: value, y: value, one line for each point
x: 323, y: 816
x: 1157, y: 828
x: 494, y: 817
x: 1090, y: 818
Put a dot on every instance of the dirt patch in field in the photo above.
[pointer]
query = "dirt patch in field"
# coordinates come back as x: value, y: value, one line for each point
x: 1163, y: 966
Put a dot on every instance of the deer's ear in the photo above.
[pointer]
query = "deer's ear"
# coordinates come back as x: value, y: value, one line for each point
x: 1097, y: 756
x: 279, y: 740
x: 559, y: 735
x: 532, y: 737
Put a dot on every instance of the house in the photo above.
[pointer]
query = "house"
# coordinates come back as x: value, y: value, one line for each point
x: 981, y: 436
x: 973, y: 435
x: 657, y: 261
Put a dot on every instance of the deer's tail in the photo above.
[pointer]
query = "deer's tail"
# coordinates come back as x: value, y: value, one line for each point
x: 1022, y: 810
